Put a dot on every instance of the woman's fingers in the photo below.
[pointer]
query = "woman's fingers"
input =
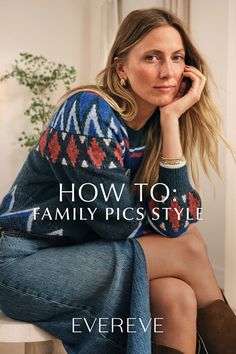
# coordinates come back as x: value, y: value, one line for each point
x: 185, y: 100
x: 196, y: 72
x: 198, y: 82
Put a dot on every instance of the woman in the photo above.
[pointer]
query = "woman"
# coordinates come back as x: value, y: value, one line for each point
x: 79, y: 241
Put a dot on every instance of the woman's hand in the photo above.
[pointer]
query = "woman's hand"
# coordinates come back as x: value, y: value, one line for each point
x: 170, y: 114
x: 182, y: 101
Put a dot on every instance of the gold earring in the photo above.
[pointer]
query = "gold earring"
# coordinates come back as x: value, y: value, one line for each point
x: 122, y: 82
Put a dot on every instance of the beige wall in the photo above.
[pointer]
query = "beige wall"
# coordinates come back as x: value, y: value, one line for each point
x: 213, y: 26
x: 230, y: 212
x: 211, y: 39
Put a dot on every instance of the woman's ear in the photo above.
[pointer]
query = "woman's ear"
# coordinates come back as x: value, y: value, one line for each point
x: 119, y: 64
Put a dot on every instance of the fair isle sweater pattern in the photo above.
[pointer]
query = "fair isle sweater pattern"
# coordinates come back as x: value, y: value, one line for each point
x: 87, y: 142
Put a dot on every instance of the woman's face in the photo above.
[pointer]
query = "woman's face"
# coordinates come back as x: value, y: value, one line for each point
x: 154, y: 68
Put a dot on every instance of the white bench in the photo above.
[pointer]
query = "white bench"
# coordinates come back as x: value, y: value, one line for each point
x: 20, y: 338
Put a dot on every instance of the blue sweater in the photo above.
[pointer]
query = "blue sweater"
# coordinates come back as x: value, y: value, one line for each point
x: 76, y: 181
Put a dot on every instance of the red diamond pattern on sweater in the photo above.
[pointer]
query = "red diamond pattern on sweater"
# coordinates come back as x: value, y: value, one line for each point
x: 173, y: 216
x: 95, y: 153
x: 118, y: 154
x: 194, y: 203
x: 54, y: 147
x: 72, y: 151
x: 43, y: 141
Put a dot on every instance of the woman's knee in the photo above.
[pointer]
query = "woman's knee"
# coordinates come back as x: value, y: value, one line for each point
x: 194, y: 246
x: 187, y: 252
x: 174, y: 297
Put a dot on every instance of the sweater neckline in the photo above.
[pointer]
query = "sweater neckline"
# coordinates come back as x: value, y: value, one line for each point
x: 144, y: 128
x: 136, y: 131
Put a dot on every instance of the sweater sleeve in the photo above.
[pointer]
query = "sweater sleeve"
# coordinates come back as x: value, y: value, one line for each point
x: 84, y: 146
x: 175, y: 203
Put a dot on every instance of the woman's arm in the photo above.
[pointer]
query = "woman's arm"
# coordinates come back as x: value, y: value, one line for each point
x: 183, y: 205
x: 171, y: 113
x: 171, y: 145
x: 84, y: 147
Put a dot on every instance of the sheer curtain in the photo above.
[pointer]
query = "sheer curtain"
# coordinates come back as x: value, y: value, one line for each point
x: 102, y: 27
x: 180, y: 7
x: 109, y: 26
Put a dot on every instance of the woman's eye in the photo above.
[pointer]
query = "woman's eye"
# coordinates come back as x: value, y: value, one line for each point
x: 151, y: 57
x: 178, y: 58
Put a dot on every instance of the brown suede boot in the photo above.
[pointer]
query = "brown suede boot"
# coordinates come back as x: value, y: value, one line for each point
x: 162, y: 349
x: 216, y: 325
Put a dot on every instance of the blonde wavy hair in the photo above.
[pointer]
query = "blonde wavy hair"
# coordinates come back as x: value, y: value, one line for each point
x: 199, y: 126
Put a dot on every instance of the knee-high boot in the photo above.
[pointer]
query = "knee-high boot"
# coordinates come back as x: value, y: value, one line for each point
x: 216, y: 325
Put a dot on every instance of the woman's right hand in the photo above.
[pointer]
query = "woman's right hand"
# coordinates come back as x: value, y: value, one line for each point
x: 182, y: 101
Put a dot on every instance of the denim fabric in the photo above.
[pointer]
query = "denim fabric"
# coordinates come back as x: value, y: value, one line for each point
x: 50, y: 281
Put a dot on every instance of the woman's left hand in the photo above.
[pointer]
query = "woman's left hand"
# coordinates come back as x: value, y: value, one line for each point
x: 183, y: 101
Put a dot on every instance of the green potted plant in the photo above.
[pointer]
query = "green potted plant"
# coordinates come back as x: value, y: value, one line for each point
x: 42, y: 77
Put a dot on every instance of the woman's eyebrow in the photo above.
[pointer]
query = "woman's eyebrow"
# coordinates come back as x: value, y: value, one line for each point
x: 160, y: 52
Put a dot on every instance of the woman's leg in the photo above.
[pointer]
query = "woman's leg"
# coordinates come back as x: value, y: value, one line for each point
x: 175, y: 301
x: 185, y: 258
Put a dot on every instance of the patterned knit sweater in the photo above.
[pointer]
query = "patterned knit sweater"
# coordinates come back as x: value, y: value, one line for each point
x: 76, y: 182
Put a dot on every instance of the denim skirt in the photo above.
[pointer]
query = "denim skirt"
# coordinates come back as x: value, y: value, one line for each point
x: 83, y: 294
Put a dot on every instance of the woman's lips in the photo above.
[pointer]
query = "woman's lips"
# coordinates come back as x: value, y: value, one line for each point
x: 164, y: 88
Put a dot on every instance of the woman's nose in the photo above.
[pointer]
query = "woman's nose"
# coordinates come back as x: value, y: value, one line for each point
x: 166, y: 70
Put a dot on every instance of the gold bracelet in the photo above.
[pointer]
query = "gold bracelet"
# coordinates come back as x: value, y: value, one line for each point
x: 171, y: 161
